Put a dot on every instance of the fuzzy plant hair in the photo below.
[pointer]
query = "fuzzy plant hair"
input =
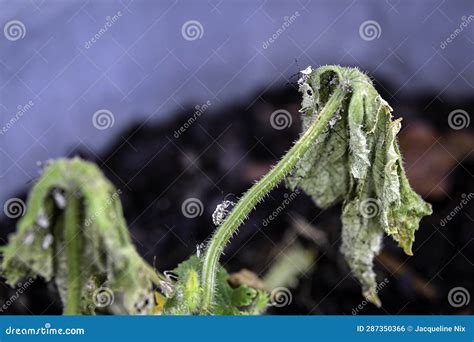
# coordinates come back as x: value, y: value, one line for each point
x: 347, y: 153
x: 74, y: 233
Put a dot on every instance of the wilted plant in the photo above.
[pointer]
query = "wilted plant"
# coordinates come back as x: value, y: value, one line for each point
x: 347, y: 153
x: 74, y: 234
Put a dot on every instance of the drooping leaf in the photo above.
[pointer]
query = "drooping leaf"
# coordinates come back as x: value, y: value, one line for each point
x: 357, y: 161
x: 98, y: 261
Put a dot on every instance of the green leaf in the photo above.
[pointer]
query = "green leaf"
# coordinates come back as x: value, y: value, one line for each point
x: 243, y: 296
x: 357, y: 161
x: 74, y: 234
x: 242, y: 300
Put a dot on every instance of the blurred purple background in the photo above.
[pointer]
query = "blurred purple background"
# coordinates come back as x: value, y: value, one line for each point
x: 145, y: 64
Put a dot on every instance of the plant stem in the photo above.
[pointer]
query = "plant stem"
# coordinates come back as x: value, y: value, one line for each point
x: 72, y: 239
x: 256, y: 193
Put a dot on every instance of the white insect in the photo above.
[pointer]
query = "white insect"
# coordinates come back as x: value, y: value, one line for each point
x: 43, y: 220
x: 167, y: 286
x: 307, y: 71
x: 199, y: 248
x: 29, y: 239
x: 304, y: 75
x: 221, y: 212
x: 59, y: 199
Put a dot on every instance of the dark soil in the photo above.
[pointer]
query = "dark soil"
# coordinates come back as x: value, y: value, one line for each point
x: 220, y: 155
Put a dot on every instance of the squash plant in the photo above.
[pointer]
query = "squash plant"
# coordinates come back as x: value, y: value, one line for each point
x: 74, y: 232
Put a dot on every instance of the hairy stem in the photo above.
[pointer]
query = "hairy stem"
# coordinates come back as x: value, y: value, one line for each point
x: 256, y: 193
x: 73, y: 251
